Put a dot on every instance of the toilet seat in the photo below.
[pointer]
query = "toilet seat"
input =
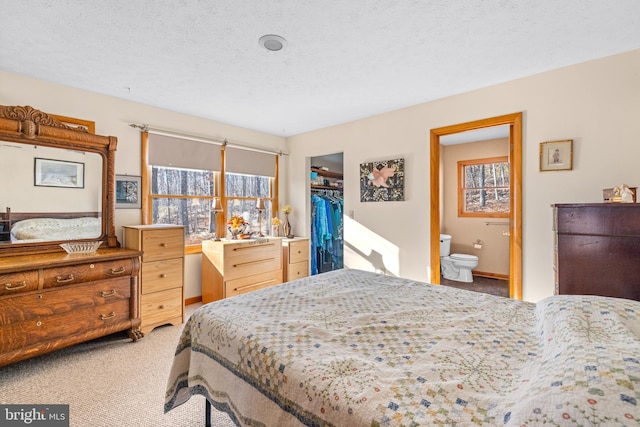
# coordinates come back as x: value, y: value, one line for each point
x: 463, y: 257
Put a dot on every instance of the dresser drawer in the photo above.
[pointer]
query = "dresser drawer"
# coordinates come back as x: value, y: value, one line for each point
x: 81, y: 273
x: 160, y: 306
x: 160, y: 275
x: 298, y: 270
x: 241, y: 260
x: 160, y: 244
x: 252, y: 283
x: 64, y: 300
x: 14, y: 283
x: 298, y: 251
x: 62, y: 325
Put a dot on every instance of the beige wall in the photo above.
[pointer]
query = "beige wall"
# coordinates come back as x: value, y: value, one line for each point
x: 112, y: 117
x: 494, y: 255
x: 597, y: 104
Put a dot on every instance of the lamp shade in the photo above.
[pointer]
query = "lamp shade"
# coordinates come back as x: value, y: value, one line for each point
x: 260, y: 204
x: 217, y: 205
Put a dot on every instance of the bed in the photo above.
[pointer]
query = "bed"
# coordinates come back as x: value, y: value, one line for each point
x: 49, y: 228
x: 354, y: 348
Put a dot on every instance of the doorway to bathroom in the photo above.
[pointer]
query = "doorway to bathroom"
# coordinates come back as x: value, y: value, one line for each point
x: 509, y: 228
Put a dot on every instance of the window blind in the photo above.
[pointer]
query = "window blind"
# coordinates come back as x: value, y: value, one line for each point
x: 174, y: 152
x: 249, y: 162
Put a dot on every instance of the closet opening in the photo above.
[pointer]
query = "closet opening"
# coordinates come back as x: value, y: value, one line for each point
x: 327, y: 213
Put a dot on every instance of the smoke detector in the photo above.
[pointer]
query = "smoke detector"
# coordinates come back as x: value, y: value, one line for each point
x: 272, y: 42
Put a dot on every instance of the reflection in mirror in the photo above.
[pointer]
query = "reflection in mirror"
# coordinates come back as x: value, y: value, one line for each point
x: 53, y: 193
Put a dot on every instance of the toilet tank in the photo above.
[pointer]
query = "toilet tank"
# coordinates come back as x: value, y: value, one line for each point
x: 445, y: 244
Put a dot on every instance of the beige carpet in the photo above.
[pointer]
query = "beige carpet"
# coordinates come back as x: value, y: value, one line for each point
x: 108, y: 382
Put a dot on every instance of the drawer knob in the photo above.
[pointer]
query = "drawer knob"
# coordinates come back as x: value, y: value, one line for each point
x: 60, y: 279
x: 164, y: 245
x: 108, y: 316
x: 38, y: 323
x: 161, y: 307
x: 12, y: 287
x: 163, y: 275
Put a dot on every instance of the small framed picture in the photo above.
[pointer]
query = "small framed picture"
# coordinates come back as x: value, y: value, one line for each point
x: 556, y: 155
x: 58, y: 173
x: 128, y: 192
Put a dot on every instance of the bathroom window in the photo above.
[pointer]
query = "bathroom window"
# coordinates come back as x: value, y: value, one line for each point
x: 483, y: 188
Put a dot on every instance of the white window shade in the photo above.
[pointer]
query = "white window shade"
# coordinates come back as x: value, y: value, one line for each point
x: 173, y: 152
x: 249, y: 162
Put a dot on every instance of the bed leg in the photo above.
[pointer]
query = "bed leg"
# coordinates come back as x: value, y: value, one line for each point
x: 207, y: 413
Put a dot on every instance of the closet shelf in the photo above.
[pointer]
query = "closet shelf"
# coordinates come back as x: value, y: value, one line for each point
x: 328, y: 174
x: 325, y: 187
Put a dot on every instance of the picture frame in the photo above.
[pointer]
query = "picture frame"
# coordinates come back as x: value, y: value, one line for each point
x: 382, y: 181
x: 128, y: 192
x: 58, y: 173
x: 556, y: 155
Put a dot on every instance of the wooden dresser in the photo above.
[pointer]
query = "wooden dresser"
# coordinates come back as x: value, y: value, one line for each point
x: 295, y: 258
x: 234, y: 267
x: 53, y: 300
x: 161, y: 272
x: 597, y: 249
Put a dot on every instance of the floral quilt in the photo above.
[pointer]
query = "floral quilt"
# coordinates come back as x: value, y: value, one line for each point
x: 353, y: 348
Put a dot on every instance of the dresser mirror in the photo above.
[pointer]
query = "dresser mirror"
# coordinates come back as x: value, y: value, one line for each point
x: 58, y: 182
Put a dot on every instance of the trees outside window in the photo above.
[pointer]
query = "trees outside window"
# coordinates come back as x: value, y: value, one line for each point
x: 184, y: 197
x: 242, y: 193
x: 483, y: 188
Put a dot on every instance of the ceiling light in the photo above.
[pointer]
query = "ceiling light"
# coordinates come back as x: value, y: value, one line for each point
x: 272, y: 42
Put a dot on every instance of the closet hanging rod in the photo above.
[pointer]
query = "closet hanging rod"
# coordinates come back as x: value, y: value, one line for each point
x: 216, y: 141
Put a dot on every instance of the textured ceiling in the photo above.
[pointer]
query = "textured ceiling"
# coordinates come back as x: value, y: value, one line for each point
x: 344, y: 59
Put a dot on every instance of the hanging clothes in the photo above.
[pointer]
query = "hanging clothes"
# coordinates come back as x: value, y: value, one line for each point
x: 327, y: 230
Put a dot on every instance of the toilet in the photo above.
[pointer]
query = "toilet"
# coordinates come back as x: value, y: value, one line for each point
x: 455, y: 266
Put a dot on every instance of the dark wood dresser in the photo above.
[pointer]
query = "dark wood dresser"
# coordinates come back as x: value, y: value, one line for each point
x: 597, y: 249
x: 54, y: 300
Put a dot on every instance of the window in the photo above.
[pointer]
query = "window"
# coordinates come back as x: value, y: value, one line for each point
x: 184, y: 197
x: 183, y: 176
x: 242, y: 193
x: 483, y: 188
x: 249, y: 176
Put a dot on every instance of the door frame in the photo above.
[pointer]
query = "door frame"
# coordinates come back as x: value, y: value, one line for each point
x: 515, y: 202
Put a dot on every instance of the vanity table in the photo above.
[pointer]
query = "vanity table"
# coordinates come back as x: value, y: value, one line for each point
x: 50, y: 299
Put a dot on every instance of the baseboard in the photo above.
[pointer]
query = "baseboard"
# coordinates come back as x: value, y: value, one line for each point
x: 193, y: 300
x: 491, y: 275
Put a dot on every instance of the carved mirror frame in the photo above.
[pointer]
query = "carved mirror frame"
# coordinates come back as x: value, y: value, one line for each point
x: 25, y: 124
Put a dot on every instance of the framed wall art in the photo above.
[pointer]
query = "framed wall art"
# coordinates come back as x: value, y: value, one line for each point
x: 58, y: 173
x: 128, y: 192
x: 382, y: 181
x: 556, y: 155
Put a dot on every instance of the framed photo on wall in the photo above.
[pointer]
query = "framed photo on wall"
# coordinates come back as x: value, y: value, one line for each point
x: 556, y: 155
x: 128, y: 192
x: 382, y: 181
x: 58, y: 173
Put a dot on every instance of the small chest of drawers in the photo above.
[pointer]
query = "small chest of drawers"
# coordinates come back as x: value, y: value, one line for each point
x: 235, y: 267
x: 161, y: 273
x: 295, y: 258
